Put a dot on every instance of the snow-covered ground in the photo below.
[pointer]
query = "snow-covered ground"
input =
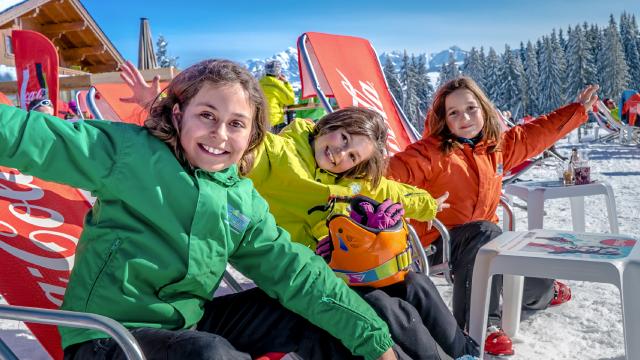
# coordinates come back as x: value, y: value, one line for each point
x: 590, y: 325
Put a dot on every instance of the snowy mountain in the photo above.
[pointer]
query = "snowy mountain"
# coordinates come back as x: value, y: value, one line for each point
x: 437, y: 59
x: 289, y: 60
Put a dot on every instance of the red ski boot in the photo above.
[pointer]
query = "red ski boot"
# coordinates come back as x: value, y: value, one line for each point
x: 561, y: 294
x: 497, y: 342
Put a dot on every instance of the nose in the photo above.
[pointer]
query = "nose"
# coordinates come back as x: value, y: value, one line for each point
x: 339, y: 155
x: 218, y: 130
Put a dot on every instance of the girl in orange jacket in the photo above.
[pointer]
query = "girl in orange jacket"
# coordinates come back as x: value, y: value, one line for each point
x: 466, y: 154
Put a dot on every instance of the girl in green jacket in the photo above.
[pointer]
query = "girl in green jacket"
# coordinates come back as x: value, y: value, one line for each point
x: 172, y: 211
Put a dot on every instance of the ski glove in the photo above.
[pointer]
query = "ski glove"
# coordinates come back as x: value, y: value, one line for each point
x: 386, y: 215
x: 324, y: 248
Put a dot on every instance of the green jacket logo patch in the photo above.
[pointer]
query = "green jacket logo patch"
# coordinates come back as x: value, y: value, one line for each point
x: 237, y: 220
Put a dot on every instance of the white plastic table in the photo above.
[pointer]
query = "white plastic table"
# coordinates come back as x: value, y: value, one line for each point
x: 606, y: 258
x: 534, y: 193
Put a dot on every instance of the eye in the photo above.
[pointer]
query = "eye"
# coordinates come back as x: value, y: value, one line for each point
x: 472, y: 108
x: 237, y: 124
x: 453, y: 113
x: 345, y: 140
x: 207, y: 115
x: 353, y: 158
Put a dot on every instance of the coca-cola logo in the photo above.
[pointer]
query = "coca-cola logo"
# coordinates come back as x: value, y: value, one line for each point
x: 367, y: 96
x: 35, y: 236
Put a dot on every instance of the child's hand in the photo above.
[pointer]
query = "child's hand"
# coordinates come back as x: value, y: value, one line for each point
x: 143, y: 93
x: 441, y: 206
x: 588, y: 97
x: 441, y: 202
x: 388, y: 355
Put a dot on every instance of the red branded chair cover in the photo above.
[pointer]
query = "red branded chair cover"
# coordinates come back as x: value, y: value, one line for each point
x: 347, y: 68
x: 40, y: 223
x: 108, y: 101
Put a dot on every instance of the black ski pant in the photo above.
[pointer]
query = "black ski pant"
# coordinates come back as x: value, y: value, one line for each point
x: 466, y: 240
x: 418, y: 318
x: 236, y: 326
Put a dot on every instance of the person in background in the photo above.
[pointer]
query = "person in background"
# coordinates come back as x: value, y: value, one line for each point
x: 615, y: 111
x: 278, y: 93
x: 41, y: 105
x: 466, y: 154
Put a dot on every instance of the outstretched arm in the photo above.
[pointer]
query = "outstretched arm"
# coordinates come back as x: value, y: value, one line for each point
x: 528, y: 140
x: 143, y: 94
x: 303, y: 282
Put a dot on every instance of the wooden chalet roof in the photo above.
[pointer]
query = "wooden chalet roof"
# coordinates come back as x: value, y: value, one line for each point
x: 79, y: 40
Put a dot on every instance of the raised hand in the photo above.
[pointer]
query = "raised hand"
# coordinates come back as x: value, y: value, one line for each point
x: 588, y: 97
x: 143, y: 93
x: 441, y: 206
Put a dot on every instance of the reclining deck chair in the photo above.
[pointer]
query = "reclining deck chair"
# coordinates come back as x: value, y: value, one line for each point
x: 616, y: 129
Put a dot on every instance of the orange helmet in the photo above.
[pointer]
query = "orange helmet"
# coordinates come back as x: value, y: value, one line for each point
x: 364, y: 256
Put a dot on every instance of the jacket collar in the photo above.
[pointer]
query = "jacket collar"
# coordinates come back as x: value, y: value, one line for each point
x: 228, y: 176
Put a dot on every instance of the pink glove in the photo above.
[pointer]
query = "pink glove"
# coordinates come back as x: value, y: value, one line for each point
x: 324, y: 248
x: 385, y: 216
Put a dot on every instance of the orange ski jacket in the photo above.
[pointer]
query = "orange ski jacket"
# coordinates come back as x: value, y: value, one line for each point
x: 473, y: 176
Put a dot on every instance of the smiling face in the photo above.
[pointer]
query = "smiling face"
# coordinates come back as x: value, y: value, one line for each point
x: 463, y: 113
x: 215, y: 126
x: 338, y: 151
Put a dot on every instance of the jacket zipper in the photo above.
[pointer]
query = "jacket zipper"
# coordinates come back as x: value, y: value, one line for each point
x: 114, y: 247
x: 352, y: 311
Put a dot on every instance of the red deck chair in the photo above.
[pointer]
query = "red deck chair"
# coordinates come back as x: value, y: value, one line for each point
x: 104, y: 102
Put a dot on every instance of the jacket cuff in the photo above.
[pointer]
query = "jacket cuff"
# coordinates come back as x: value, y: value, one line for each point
x: 381, y: 344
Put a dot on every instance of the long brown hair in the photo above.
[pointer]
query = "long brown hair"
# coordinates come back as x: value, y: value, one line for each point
x: 437, y: 116
x: 187, y: 84
x: 359, y: 121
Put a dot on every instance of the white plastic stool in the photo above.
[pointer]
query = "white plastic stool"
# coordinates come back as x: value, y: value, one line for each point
x: 534, y: 193
x: 557, y: 254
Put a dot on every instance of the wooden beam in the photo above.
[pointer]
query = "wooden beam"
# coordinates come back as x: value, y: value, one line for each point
x: 66, y: 83
x: 63, y: 27
x: 78, y: 52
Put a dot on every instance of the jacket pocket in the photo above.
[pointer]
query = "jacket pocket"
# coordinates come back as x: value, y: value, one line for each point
x: 110, y: 254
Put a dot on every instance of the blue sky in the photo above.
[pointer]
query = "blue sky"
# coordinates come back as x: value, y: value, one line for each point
x: 241, y: 30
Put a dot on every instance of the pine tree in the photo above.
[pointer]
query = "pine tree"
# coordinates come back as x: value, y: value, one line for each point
x: 612, y: 65
x: 551, y: 79
x: 391, y: 75
x: 474, y: 66
x: 449, y: 70
x: 511, y: 75
x: 532, y: 80
x: 580, y: 65
x: 483, y: 61
x: 424, y: 92
x: 492, y: 81
x: 410, y: 102
x: 561, y: 40
x: 164, y: 60
x: 629, y: 37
